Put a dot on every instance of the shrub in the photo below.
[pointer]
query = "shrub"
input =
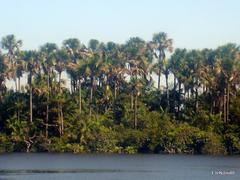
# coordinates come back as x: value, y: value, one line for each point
x: 214, y: 145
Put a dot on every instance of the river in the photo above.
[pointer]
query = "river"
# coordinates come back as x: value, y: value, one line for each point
x: 40, y: 166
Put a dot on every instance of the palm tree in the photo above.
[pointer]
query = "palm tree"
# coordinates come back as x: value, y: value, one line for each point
x: 47, y: 56
x: 72, y: 46
x: 91, y: 71
x: 134, y: 48
x: 117, y: 66
x: 61, y: 61
x: 93, y: 45
x: 32, y: 63
x: 78, y: 71
x: 194, y: 61
x: 12, y: 45
x: 228, y: 56
x: 136, y: 72
x: 3, y: 74
x: 176, y: 65
x: 159, y: 45
x: 19, y: 71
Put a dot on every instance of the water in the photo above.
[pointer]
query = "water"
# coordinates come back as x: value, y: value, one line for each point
x: 117, y: 167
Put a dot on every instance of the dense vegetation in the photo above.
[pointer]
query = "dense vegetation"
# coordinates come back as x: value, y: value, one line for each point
x: 112, y: 104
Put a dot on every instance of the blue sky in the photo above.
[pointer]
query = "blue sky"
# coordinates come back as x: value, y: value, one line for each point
x: 191, y: 24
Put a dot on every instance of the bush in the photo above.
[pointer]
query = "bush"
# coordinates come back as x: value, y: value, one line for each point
x: 232, y: 143
x: 214, y: 145
x: 5, y: 144
x: 184, y: 138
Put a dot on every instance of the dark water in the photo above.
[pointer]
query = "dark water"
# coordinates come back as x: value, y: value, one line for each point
x: 117, y: 167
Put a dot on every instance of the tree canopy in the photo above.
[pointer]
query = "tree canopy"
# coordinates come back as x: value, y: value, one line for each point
x: 115, y: 101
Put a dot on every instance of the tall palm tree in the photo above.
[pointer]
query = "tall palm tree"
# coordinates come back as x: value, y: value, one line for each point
x: 19, y: 71
x: 176, y: 63
x: 228, y: 56
x: 12, y: 45
x: 166, y: 72
x: 72, y: 46
x: 47, y: 56
x: 117, y: 65
x: 60, y: 62
x: 136, y: 72
x: 194, y: 61
x: 159, y: 45
x: 32, y: 66
x: 3, y: 74
x: 134, y: 49
x: 91, y: 70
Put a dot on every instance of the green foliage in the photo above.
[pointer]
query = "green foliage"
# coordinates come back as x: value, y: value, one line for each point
x: 214, y: 145
x: 111, y: 103
x: 232, y: 143
x: 184, y: 138
x: 5, y: 144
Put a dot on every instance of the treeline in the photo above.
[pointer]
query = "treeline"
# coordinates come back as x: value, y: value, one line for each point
x: 116, y: 102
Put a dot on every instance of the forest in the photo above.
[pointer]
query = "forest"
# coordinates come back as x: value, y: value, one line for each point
x: 136, y: 97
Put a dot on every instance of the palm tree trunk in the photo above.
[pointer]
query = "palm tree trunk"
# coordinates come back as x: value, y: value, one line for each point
x: 59, y: 121
x: 47, y: 111
x: 59, y: 81
x: 71, y: 85
x: 212, y: 104
x: 131, y: 100
x: 174, y: 82
x: 135, y: 111
x: 174, y: 94
x: 224, y: 105
x: 228, y: 100
x: 19, y: 87
x: 91, y: 97
x: 16, y: 86
x: 179, y: 97
x: 115, y: 90
x: 74, y: 86
x: 167, y: 89
x: 62, y: 119
x: 18, y: 110
x: 30, y: 98
x: 46, y: 124
x: 196, y: 94
x: 80, y: 96
x: 60, y: 105
x: 159, y: 78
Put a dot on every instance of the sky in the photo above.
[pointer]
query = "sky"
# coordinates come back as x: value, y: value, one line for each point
x: 190, y: 23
